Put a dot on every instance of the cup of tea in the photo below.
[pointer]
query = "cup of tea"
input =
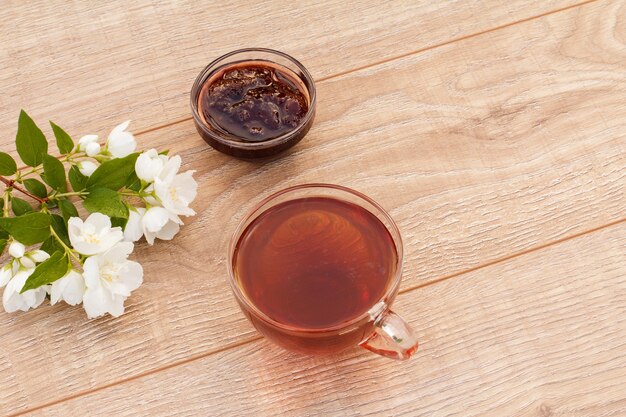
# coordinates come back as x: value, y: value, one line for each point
x: 316, y: 268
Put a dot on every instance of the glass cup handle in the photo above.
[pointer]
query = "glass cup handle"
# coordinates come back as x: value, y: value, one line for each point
x: 392, y: 337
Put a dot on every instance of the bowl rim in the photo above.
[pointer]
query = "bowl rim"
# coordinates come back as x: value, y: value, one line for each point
x: 234, y: 141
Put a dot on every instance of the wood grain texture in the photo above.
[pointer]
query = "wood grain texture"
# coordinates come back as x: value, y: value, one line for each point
x: 480, y: 149
x: 89, y: 65
x: 539, y: 335
x: 486, y: 152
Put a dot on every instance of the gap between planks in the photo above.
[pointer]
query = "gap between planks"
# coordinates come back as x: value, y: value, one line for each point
x: 394, y: 58
x: 258, y: 337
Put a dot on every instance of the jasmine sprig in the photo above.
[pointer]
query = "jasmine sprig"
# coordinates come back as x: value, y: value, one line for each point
x: 129, y: 195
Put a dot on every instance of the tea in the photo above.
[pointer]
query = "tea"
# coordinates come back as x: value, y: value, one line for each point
x: 254, y: 101
x: 314, y: 263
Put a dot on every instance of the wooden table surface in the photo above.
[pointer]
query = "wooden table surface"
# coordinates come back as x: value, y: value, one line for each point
x: 494, y: 132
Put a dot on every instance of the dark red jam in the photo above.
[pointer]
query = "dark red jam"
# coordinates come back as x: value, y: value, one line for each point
x: 253, y: 102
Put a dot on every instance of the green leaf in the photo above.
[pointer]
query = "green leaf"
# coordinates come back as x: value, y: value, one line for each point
x: 30, y: 142
x: 3, y: 244
x: 53, y: 268
x: 54, y: 173
x: 7, y: 164
x: 3, y: 234
x: 51, y: 245
x: 20, y: 206
x: 67, y: 209
x: 36, y: 187
x: 133, y: 182
x: 135, y: 186
x: 77, y: 180
x: 60, y: 228
x: 118, y: 222
x: 29, y: 229
x: 64, y: 141
x: 114, y: 174
x: 105, y: 201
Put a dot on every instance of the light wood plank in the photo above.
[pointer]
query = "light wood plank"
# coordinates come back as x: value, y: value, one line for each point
x: 90, y: 65
x: 491, y: 159
x: 546, y: 338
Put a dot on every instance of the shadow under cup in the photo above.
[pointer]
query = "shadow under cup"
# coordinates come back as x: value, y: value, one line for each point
x: 373, y: 326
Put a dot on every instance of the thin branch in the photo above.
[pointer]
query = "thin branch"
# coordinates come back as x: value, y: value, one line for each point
x: 68, y: 250
x: 73, y: 156
x: 5, y: 197
x: 68, y: 194
x: 12, y: 184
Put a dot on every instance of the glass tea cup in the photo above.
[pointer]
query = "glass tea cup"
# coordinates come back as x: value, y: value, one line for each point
x: 373, y: 326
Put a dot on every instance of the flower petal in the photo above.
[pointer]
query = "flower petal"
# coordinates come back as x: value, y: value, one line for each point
x: 99, y: 221
x: 12, y: 300
x: 39, y: 295
x: 87, y: 167
x: 186, y: 186
x: 133, y: 229
x: 86, y: 140
x: 74, y: 289
x: 149, y: 165
x: 119, y: 252
x: 131, y: 273
x: 114, y: 236
x: 168, y: 231
x: 170, y: 169
x: 16, y: 249
x: 69, y: 288
x: 121, y: 143
x: 154, y: 219
x: 116, y: 307
x: 6, y: 273
x: 27, y: 262
x: 149, y: 237
x: 121, y: 127
x: 91, y: 272
x: 96, y: 302
x: 92, y: 149
x: 38, y: 255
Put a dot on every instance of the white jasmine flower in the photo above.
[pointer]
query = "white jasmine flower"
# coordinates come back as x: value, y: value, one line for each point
x: 87, y: 167
x: 178, y: 194
x: 175, y: 191
x: 92, y: 149
x: 69, y: 288
x: 86, y: 140
x: 133, y: 229
x: 154, y: 219
x: 155, y: 222
x: 7, y: 272
x: 121, y: 143
x: 94, y: 235
x: 12, y: 300
x: 109, y: 278
x: 170, y: 169
x: 16, y: 249
x: 26, y: 259
x: 38, y: 255
x: 149, y: 164
x: 27, y: 262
